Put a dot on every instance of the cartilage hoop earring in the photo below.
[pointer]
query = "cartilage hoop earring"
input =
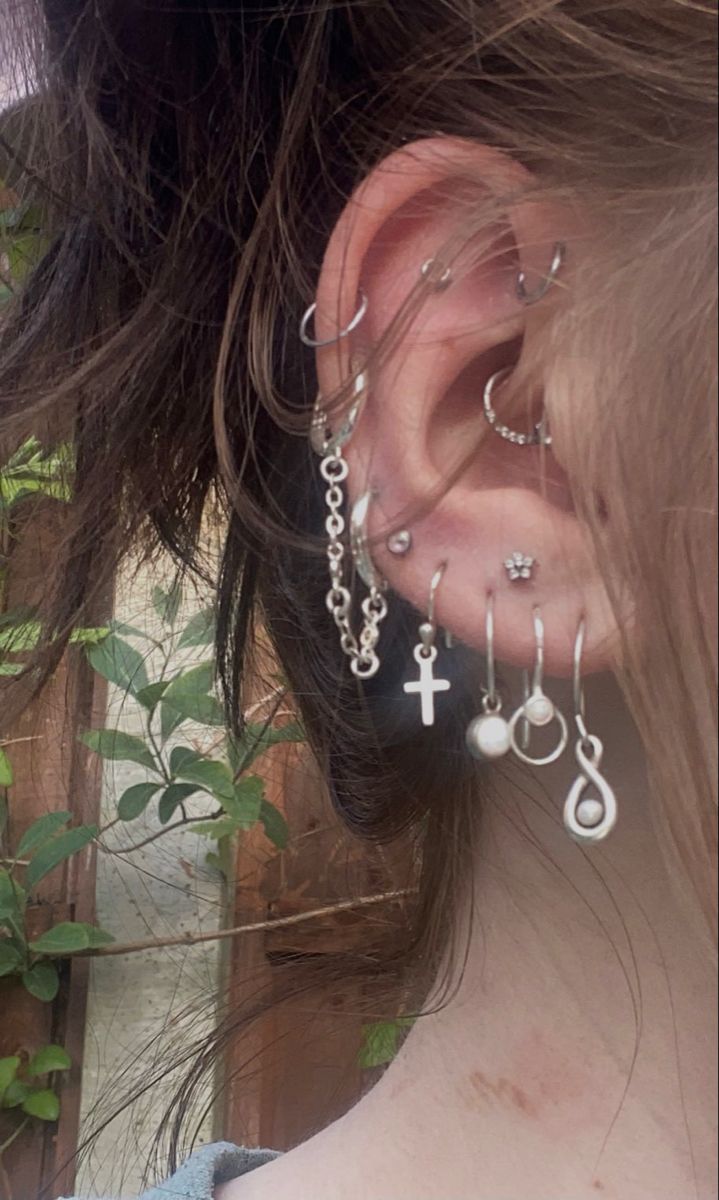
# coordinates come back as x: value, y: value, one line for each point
x: 425, y: 655
x: 435, y: 272
x: 315, y: 344
x: 537, y: 709
x: 540, y: 435
x: 587, y: 817
x: 549, y: 279
x: 361, y: 650
x: 488, y: 735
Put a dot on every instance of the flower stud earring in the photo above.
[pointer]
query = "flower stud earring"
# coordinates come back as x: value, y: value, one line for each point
x: 519, y: 566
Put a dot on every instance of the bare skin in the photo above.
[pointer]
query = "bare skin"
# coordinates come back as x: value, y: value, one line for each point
x: 526, y: 1086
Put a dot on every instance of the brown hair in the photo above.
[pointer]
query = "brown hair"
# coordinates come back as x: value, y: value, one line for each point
x: 193, y: 158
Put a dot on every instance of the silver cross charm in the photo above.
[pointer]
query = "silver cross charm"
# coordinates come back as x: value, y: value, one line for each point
x: 426, y: 685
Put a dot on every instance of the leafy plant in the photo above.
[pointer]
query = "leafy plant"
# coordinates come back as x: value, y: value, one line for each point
x: 26, y: 1087
x: 21, y: 240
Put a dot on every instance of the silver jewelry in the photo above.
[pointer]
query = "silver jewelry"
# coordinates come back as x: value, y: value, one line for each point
x: 587, y: 818
x: 366, y: 569
x: 313, y: 343
x: 361, y: 650
x: 399, y: 543
x: 537, y: 709
x: 540, y: 292
x: 488, y: 735
x: 540, y: 436
x: 425, y: 655
x: 519, y: 566
x: 435, y: 272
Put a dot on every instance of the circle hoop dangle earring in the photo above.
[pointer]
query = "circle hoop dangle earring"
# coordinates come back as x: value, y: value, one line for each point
x: 315, y: 344
x: 587, y: 818
x: 537, y: 709
x: 488, y: 735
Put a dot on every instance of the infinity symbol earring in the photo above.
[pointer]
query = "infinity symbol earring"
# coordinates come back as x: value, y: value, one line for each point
x: 587, y: 818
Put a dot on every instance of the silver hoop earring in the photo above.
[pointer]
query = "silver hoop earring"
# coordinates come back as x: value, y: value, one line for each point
x: 435, y: 272
x: 313, y: 343
x: 537, y: 709
x: 359, y: 543
x: 549, y: 279
x: 488, y: 735
x: 587, y: 818
x: 361, y: 650
x: 540, y: 436
x: 425, y: 655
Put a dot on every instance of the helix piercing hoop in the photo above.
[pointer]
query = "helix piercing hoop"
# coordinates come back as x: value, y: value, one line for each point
x: 425, y: 655
x: 540, y: 292
x: 315, y: 344
x: 435, y: 272
x: 587, y: 818
x: 537, y: 709
x: 540, y: 435
x: 488, y: 735
x: 361, y: 649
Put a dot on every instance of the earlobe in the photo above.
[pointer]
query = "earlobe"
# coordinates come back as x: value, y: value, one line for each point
x: 465, y: 469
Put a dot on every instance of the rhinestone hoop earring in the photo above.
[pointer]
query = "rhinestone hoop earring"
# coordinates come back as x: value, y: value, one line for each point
x: 537, y: 709
x: 313, y: 343
x: 488, y: 735
x: 587, y: 818
x: 540, y: 436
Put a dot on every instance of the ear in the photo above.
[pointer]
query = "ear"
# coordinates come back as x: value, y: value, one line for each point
x: 422, y: 443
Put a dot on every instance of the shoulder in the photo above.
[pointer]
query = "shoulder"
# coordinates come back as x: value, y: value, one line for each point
x: 200, y: 1174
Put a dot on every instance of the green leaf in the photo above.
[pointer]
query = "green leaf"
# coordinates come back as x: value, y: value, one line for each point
x: 150, y: 696
x: 49, y: 856
x: 220, y: 827
x: 212, y: 776
x: 43, y: 1104
x: 16, y: 1094
x: 213, y: 860
x: 12, y: 897
x: 199, y: 630
x: 258, y: 738
x: 381, y: 1042
x: 170, y: 720
x: 274, y: 824
x: 10, y: 958
x: 181, y: 756
x: 47, y: 1060
x: 89, y: 637
x: 9, y: 668
x: 134, y: 800
x: 70, y: 937
x: 172, y: 797
x: 120, y: 747
x: 119, y: 662
x: 41, y: 831
x: 245, y: 804
x: 42, y: 981
x: 16, y: 638
x: 167, y: 603
x: 5, y: 769
x: 187, y: 695
x: 8, y: 1071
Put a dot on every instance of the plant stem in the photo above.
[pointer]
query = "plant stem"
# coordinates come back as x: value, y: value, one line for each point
x: 13, y: 1136
x: 195, y: 939
x: 152, y: 837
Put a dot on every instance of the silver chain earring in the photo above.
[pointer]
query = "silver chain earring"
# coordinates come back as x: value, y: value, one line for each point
x: 537, y: 709
x: 587, y: 818
x: 488, y: 735
x: 361, y: 650
x: 425, y: 655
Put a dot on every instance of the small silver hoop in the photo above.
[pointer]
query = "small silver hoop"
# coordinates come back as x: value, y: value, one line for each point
x: 548, y: 758
x: 435, y: 272
x: 359, y: 517
x: 540, y: 435
x: 313, y: 343
x: 537, y: 710
x: 541, y: 290
x: 434, y: 584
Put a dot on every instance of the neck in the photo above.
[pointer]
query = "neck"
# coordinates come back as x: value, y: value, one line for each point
x: 574, y: 1059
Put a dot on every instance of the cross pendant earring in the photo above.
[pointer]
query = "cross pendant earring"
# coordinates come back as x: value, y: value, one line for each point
x: 425, y: 655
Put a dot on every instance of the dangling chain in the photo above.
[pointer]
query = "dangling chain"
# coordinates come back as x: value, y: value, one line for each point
x: 361, y: 651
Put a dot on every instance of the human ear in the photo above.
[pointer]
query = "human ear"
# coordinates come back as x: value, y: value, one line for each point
x: 422, y: 444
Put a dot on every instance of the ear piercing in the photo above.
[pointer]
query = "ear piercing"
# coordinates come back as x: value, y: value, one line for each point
x: 538, y: 710
x: 425, y: 655
x: 587, y: 818
x: 399, y: 543
x: 435, y: 272
x: 488, y: 735
x: 308, y: 340
x: 540, y: 292
x: 519, y: 566
x: 539, y: 436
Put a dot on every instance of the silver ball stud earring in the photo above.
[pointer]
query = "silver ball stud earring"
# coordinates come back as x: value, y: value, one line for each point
x: 399, y: 543
x: 488, y: 735
x: 587, y: 817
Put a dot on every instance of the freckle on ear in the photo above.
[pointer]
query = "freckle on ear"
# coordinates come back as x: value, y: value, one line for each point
x: 598, y: 1185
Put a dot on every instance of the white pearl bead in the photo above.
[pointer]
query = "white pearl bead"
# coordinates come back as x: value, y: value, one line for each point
x: 488, y: 736
x: 589, y: 812
x: 539, y: 710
